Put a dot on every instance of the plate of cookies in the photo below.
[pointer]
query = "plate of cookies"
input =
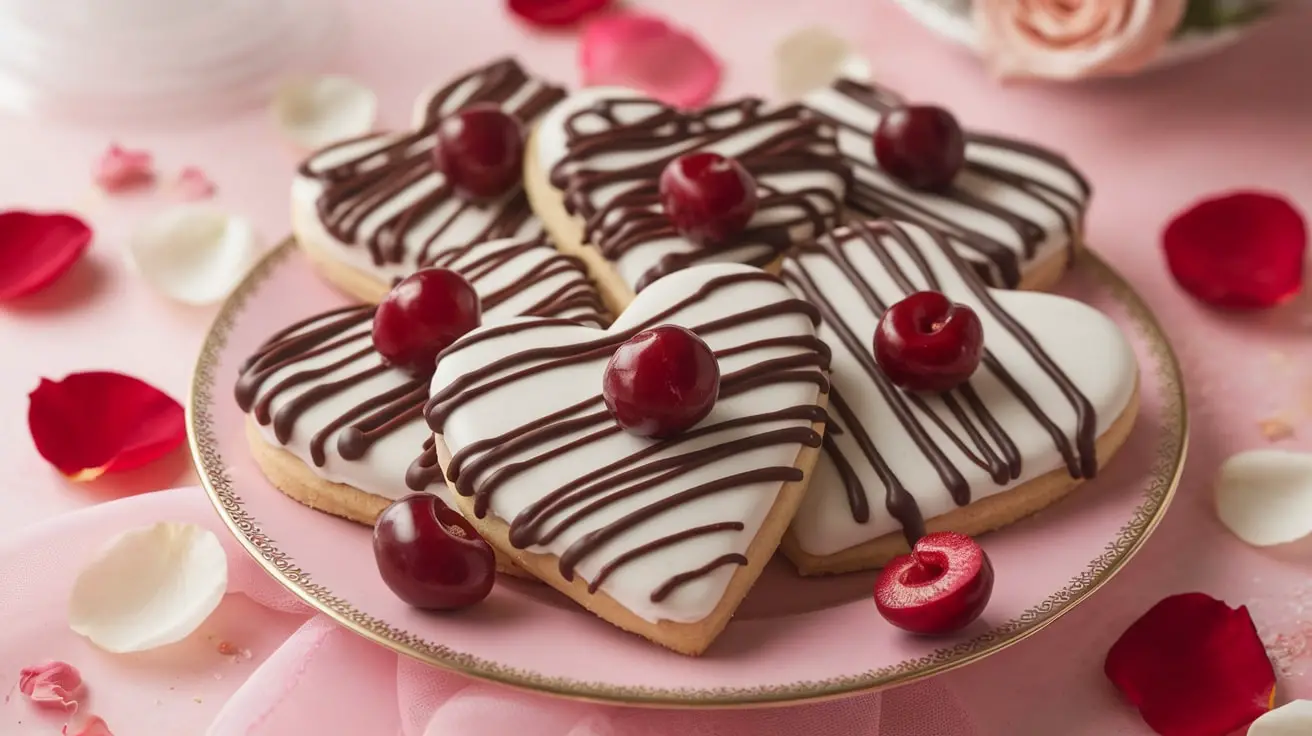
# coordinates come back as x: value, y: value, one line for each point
x: 755, y: 404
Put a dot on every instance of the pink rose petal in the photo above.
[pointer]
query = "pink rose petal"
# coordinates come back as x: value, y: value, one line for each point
x: 120, y: 169
x: 93, y: 726
x: 643, y: 52
x: 51, y: 684
x: 193, y: 184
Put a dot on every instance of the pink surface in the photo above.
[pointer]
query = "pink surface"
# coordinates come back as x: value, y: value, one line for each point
x: 1150, y: 146
x: 789, y: 630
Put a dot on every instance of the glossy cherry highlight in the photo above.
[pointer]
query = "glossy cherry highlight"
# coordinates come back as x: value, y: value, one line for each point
x: 481, y: 151
x: 926, y: 342
x: 942, y: 586
x: 661, y: 382
x: 423, y: 314
x: 708, y: 197
x: 430, y: 556
x: 921, y: 145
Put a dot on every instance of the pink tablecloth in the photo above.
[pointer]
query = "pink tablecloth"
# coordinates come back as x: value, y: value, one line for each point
x: 1150, y: 146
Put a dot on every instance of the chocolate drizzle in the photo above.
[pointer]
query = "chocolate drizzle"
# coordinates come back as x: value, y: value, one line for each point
x: 482, y: 467
x: 621, y: 206
x: 346, y: 335
x: 380, y: 169
x: 876, y: 194
x: 982, y: 439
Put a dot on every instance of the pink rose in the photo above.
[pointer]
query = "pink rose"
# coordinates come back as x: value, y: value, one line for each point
x: 1070, y: 39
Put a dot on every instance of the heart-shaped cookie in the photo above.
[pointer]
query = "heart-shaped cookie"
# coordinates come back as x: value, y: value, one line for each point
x: 336, y: 428
x: 373, y: 209
x: 1015, y: 211
x: 593, y: 163
x: 1053, y: 400
x: 659, y: 537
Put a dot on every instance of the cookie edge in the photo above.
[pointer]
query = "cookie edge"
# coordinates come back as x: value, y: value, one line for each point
x: 693, y: 638
x: 986, y: 515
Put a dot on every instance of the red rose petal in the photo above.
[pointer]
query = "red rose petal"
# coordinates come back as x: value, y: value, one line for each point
x: 1242, y: 250
x: 645, y: 53
x: 36, y: 249
x: 1193, y: 666
x: 554, y: 13
x: 94, y: 423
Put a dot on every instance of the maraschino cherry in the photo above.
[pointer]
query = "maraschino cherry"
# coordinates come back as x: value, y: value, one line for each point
x: 661, y: 382
x: 926, y: 342
x: 921, y: 145
x: 708, y: 197
x: 480, y: 150
x: 430, y: 556
x: 423, y: 314
x: 940, y: 587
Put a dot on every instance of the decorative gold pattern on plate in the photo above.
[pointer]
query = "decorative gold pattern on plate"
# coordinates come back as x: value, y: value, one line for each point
x: 1163, y: 477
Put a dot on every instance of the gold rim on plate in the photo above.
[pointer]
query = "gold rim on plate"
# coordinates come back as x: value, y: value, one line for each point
x: 1164, y: 476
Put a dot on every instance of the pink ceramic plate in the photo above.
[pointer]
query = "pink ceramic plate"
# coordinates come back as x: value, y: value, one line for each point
x: 793, y: 639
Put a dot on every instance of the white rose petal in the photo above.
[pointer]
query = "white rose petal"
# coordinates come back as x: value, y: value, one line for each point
x: 813, y: 57
x: 149, y: 587
x: 194, y: 254
x: 316, y: 111
x: 1290, y: 719
x: 1265, y: 496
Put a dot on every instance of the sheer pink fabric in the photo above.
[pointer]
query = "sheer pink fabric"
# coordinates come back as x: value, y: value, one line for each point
x: 307, y: 676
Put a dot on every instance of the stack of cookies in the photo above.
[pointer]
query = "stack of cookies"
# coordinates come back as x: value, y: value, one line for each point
x: 658, y: 516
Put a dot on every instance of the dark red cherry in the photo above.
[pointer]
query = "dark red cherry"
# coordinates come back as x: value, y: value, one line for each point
x: 423, y: 314
x: 708, y: 197
x: 430, y: 556
x: 943, y: 585
x: 481, y: 151
x: 661, y: 382
x: 920, y: 145
x: 928, y: 343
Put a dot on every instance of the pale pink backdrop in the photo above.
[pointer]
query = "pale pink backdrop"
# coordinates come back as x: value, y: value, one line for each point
x: 1150, y: 146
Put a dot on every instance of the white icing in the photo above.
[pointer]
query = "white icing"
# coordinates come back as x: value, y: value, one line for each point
x: 551, y: 144
x: 1049, y: 213
x: 1083, y: 342
x: 382, y: 470
x: 516, y: 404
x: 469, y: 222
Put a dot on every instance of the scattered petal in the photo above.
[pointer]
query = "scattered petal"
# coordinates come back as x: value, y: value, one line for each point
x: 119, y: 169
x: 36, y: 249
x: 149, y: 587
x: 315, y: 111
x: 93, y: 726
x: 643, y: 52
x: 554, y: 13
x: 193, y: 184
x: 1265, y: 496
x: 1290, y: 719
x: 1242, y: 250
x: 193, y: 254
x: 1193, y: 665
x: 52, y: 683
x: 1275, y: 429
x: 812, y: 58
x: 101, y: 422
